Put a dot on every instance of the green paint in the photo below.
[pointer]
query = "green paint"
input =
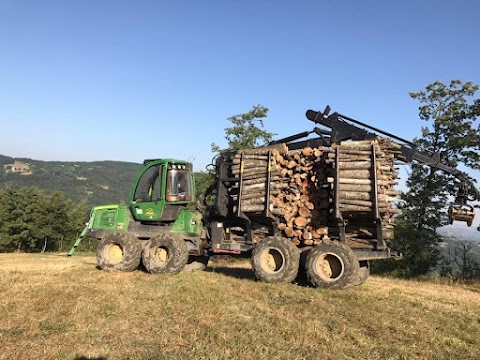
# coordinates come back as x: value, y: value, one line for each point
x: 188, y: 222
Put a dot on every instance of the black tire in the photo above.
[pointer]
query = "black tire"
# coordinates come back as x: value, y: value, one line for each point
x: 363, y: 272
x: 119, y: 251
x: 275, y: 259
x: 196, y: 263
x: 332, y: 265
x: 165, y: 253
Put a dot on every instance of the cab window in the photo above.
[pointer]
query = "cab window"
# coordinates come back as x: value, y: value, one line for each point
x: 178, y: 185
x: 148, y: 188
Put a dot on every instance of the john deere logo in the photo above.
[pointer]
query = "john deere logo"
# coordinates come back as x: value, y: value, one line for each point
x: 149, y: 212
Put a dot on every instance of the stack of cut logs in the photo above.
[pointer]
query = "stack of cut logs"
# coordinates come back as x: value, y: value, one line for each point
x: 301, y: 190
x: 356, y: 193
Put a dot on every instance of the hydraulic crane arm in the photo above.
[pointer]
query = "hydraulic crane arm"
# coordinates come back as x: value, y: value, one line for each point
x: 467, y: 190
x: 345, y: 128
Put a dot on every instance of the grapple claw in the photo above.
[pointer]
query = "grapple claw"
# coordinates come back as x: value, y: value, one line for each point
x: 461, y: 212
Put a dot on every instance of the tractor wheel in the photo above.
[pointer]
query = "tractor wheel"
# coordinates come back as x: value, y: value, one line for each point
x: 119, y: 251
x: 196, y: 263
x: 165, y: 253
x: 332, y: 265
x: 275, y: 259
x: 363, y: 272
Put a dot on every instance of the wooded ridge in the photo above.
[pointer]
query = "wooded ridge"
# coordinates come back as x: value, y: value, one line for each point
x: 97, y: 182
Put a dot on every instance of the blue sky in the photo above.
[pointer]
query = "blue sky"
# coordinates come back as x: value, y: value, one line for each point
x: 128, y: 80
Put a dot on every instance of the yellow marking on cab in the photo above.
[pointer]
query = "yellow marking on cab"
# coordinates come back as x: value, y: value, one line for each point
x: 105, y: 207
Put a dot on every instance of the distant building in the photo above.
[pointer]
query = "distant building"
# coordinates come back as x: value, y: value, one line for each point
x: 18, y: 167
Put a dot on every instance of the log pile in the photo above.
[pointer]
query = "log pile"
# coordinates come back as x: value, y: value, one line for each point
x: 358, y: 164
x: 303, y: 208
x: 301, y: 193
x: 248, y: 170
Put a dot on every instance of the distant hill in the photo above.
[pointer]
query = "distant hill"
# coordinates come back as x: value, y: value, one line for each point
x: 98, y: 182
x: 461, y: 232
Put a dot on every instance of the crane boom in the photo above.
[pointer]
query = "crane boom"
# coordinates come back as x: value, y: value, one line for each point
x: 346, y: 128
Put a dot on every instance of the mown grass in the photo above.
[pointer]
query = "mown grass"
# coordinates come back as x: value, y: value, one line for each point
x: 55, y: 307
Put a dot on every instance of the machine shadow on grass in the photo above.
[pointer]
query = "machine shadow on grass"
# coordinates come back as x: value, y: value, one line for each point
x: 247, y: 274
x: 226, y: 267
x: 235, y: 272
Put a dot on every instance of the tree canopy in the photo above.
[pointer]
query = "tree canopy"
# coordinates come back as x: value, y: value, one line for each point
x: 450, y: 113
x: 245, y: 133
x: 31, y: 220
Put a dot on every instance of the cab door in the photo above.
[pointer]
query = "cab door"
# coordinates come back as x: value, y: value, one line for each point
x: 147, y: 204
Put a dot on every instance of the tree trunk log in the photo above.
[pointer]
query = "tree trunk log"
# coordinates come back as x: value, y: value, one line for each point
x: 252, y: 195
x: 355, y: 165
x: 355, y: 195
x: 254, y: 208
x: 366, y: 181
x: 381, y: 204
x: 273, y: 179
x: 275, y: 186
x: 252, y: 201
x: 362, y: 174
x: 363, y: 145
x: 355, y: 187
x: 281, y: 148
x: 249, y: 162
x: 238, y: 157
x: 357, y: 208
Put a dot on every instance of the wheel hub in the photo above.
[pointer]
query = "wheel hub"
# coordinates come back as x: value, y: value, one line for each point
x: 272, y: 260
x: 161, y: 255
x: 329, y: 267
x: 114, y: 253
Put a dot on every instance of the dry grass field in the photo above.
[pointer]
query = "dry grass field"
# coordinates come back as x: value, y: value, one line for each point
x: 53, y: 307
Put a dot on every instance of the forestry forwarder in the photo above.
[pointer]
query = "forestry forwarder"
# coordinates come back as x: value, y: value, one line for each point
x: 157, y: 229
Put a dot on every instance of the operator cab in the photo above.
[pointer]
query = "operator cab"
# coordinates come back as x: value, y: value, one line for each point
x: 163, y: 188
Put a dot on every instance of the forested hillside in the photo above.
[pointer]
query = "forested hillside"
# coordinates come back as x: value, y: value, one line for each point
x: 96, y: 182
